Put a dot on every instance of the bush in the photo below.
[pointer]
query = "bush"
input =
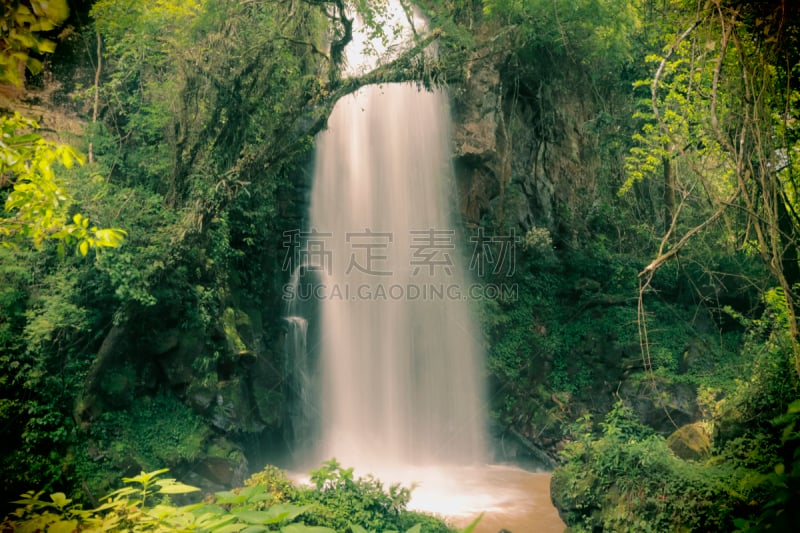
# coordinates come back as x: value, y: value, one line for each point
x: 629, y: 480
x: 343, y: 502
x: 144, y: 505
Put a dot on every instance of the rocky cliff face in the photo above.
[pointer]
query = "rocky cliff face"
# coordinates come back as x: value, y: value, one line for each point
x: 533, y: 158
x: 164, y: 379
x: 525, y: 159
x: 476, y: 113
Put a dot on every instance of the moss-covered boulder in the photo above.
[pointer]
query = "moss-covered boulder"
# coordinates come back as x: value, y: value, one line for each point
x: 690, y: 442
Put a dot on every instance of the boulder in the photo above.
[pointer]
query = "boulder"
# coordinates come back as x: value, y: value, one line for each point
x: 691, y: 442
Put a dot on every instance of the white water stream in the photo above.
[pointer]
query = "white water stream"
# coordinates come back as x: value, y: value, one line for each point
x: 400, y: 354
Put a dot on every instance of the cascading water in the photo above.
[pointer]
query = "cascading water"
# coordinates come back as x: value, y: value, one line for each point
x: 399, y: 355
x: 301, y: 373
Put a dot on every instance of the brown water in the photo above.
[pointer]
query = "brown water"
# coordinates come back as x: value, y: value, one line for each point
x: 510, y: 498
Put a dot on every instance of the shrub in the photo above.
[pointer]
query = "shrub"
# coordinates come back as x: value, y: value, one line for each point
x: 343, y: 502
x: 629, y: 480
x: 144, y: 505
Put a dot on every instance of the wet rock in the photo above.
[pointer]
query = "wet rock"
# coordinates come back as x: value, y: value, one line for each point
x: 232, y: 409
x: 217, y: 470
x: 177, y: 362
x: 475, y: 118
x: 111, y: 353
x: 226, y: 469
x: 118, y: 386
x: 691, y: 442
x: 476, y: 114
x: 664, y: 406
x: 201, y: 395
x: 697, y: 358
x: 165, y: 341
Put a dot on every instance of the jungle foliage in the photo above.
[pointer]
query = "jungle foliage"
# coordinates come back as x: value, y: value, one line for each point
x: 678, y: 281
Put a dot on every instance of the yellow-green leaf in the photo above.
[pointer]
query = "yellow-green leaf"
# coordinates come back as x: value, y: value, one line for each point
x: 60, y: 499
x: 176, y: 488
x: 46, y: 46
x: 54, y: 10
x: 34, y: 65
x: 63, y: 526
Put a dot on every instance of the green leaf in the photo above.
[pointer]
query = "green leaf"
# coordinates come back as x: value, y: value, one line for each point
x: 145, y: 478
x: 63, y: 526
x: 236, y: 528
x: 56, y: 11
x: 229, y: 498
x: 473, y: 525
x: 290, y: 511
x: 178, y: 488
x: 60, y: 499
x: 794, y: 407
x: 170, y: 486
x: 29, y: 498
x: 302, y: 528
x: 260, y: 517
x: 121, y: 493
x: 34, y: 65
x: 215, y: 522
x: 26, y: 138
x: 46, y: 46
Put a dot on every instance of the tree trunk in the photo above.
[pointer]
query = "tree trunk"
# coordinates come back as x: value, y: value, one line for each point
x: 669, y: 193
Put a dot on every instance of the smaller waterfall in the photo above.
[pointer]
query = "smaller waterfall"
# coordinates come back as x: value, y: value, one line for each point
x: 302, y: 381
x: 296, y: 339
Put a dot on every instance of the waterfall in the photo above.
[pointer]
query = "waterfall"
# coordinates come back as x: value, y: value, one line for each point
x: 300, y: 396
x: 398, y: 354
x: 384, y: 356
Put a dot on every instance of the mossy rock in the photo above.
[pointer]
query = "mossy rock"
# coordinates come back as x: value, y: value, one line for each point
x: 570, y: 495
x: 234, y: 410
x: 231, y: 319
x: 117, y: 387
x: 691, y: 442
